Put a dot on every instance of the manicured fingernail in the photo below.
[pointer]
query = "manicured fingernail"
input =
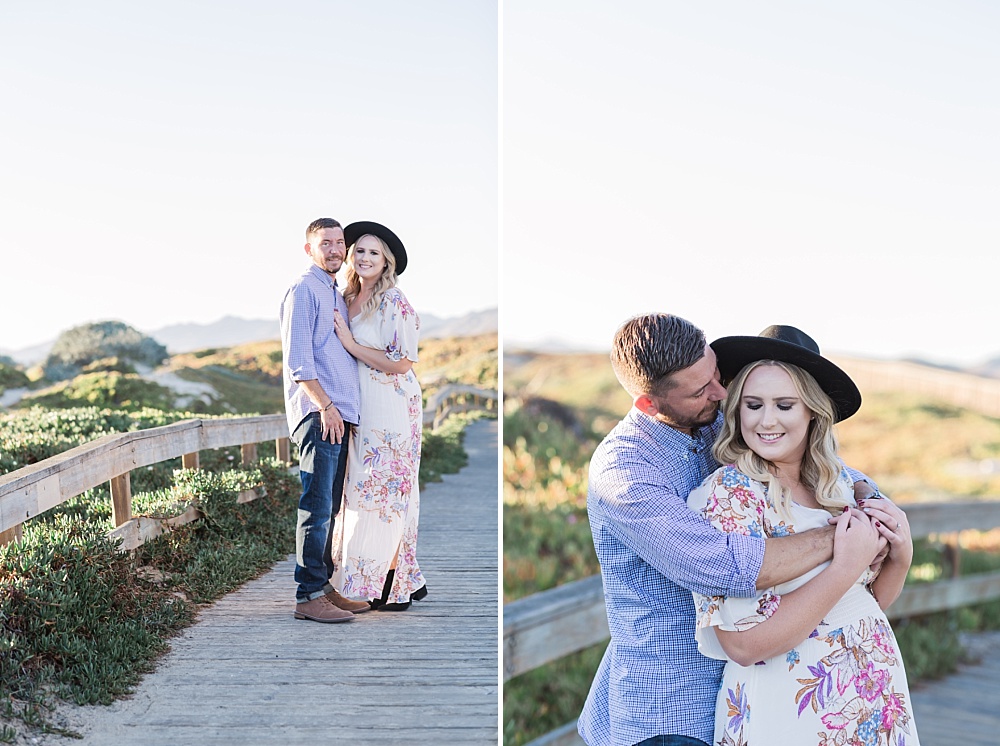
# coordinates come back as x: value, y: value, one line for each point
x: 878, y: 525
x: 846, y: 508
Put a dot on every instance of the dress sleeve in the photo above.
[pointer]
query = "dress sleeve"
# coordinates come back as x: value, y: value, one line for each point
x: 733, y: 503
x: 400, y: 327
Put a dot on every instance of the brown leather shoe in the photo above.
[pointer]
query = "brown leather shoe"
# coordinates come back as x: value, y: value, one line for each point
x: 321, y: 610
x: 355, y: 607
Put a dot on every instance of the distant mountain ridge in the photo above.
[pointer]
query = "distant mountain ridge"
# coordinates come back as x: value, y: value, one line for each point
x: 226, y: 332
x: 232, y: 330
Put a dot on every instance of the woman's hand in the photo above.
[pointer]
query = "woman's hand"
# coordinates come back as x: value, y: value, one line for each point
x: 343, y: 331
x: 857, y: 541
x: 891, y: 522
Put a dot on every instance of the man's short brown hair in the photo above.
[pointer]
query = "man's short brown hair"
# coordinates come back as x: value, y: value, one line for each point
x: 647, y: 349
x: 319, y: 224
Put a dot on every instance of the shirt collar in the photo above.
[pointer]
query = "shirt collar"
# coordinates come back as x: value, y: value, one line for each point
x: 323, y: 276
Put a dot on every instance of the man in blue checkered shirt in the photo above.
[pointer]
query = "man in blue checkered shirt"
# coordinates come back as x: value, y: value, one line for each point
x: 322, y: 403
x: 653, y: 687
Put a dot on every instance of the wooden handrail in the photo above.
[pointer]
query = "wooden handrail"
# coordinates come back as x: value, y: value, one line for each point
x: 552, y: 624
x: 29, y: 491
x: 454, y: 398
x: 34, y: 489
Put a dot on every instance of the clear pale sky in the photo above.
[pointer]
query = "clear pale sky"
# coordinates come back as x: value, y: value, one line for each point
x: 829, y: 165
x: 160, y: 161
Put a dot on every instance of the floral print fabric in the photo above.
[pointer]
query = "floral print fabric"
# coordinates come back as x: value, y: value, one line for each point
x: 381, y: 504
x: 844, y: 685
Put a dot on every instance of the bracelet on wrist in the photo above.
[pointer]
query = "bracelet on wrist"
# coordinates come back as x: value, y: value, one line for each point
x: 327, y: 406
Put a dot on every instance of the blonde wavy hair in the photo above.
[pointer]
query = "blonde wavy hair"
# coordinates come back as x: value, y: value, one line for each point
x: 385, y: 281
x: 821, y: 466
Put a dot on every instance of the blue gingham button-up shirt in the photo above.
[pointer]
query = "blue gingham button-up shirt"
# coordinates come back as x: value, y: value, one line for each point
x: 313, y: 351
x: 653, y: 552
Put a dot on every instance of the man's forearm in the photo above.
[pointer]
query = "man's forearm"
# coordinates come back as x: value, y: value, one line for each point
x: 788, y: 557
x: 315, y: 392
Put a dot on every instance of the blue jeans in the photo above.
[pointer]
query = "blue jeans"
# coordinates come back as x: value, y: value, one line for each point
x: 671, y: 741
x: 322, y: 467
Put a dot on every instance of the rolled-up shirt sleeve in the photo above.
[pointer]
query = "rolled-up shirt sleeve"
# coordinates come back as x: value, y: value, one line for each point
x: 649, y: 516
x: 857, y: 476
x: 298, y: 321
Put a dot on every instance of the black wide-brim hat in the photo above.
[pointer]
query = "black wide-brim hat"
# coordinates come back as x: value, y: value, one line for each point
x: 362, y: 228
x: 789, y: 345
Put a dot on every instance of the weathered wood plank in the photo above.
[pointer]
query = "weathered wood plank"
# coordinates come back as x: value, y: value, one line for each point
x: 550, y: 625
x: 925, y: 598
x: 947, y: 517
x: 34, y: 489
x: 29, y: 501
x: 282, y: 450
x: 121, y: 498
x: 951, y: 710
x: 248, y: 496
x: 231, y: 432
x: 248, y: 453
x: 11, y: 534
x: 137, y: 531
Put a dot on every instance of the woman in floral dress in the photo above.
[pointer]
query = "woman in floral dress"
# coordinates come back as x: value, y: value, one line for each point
x: 375, y: 535
x: 813, y: 661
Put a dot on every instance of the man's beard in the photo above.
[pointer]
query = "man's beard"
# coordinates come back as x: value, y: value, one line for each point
x: 705, y: 417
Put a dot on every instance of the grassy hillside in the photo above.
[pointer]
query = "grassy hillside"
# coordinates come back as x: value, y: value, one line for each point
x: 246, y: 379
x: 469, y: 360
x: 583, y: 382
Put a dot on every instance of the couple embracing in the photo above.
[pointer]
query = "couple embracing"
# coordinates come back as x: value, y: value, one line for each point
x: 746, y: 569
x: 355, y: 412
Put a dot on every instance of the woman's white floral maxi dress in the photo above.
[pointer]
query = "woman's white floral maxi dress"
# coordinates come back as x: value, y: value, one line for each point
x: 842, y: 686
x: 381, y: 504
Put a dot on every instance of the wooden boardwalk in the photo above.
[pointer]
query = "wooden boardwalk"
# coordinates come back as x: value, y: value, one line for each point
x: 963, y: 708
x: 247, y: 673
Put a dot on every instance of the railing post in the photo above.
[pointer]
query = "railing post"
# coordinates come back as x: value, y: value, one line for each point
x: 121, y: 498
x: 191, y: 460
x: 281, y: 450
x: 953, y: 554
x: 11, y: 535
x: 249, y: 453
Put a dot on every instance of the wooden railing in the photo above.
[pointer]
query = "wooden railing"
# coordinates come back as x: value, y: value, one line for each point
x: 552, y: 624
x: 453, y: 398
x: 32, y: 490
